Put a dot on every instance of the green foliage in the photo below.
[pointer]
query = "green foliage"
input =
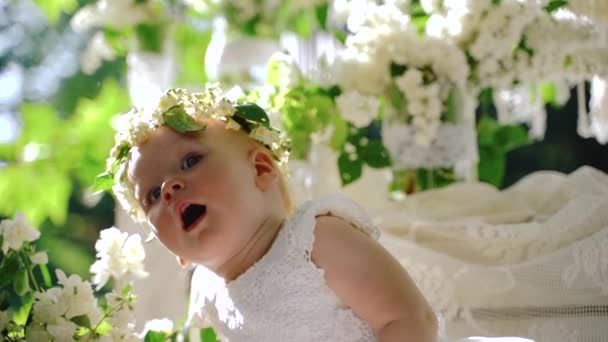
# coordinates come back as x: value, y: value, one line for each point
x: 494, y: 142
x: 150, y: 37
x: 305, y: 111
x: 54, y: 8
x: 190, y: 48
x: 50, y: 153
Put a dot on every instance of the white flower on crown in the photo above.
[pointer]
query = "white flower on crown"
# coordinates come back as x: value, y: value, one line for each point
x: 264, y: 135
x: 17, y: 231
x: 119, y: 255
x: 357, y: 108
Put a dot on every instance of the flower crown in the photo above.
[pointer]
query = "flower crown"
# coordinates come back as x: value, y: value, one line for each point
x: 183, y: 111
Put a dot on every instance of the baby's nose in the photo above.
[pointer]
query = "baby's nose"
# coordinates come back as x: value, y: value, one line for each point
x: 171, y: 187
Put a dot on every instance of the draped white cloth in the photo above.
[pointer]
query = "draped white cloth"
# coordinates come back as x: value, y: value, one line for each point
x: 530, y: 261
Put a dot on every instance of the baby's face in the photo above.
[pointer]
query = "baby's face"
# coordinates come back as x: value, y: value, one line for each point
x: 198, y: 191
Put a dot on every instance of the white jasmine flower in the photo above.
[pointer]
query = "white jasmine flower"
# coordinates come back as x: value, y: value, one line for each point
x: 49, y: 305
x: 40, y: 258
x: 78, y: 297
x: 358, y: 109
x: 224, y: 108
x: 63, y: 330
x: 17, y: 231
x: 35, y: 332
x: 264, y: 135
x: 231, y: 124
x: 118, y: 255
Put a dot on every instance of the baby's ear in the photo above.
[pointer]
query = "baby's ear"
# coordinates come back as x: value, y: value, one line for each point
x: 266, y: 172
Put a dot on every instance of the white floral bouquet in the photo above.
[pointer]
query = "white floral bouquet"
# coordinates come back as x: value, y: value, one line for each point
x: 34, y: 308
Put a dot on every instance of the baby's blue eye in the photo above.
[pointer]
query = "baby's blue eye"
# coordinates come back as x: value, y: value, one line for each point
x: 154, y: 194
x: 190, y: 162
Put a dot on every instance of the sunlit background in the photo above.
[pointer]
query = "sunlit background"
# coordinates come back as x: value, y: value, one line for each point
x: 67, y: 67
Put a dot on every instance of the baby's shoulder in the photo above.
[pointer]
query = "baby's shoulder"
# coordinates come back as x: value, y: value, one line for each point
x: 340, y: 210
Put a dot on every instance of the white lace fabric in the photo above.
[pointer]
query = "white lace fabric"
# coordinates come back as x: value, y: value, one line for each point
x: 284, y: 297
x: 531, y: 261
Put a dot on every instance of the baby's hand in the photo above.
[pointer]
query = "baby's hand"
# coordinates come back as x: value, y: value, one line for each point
x: 372, y: 282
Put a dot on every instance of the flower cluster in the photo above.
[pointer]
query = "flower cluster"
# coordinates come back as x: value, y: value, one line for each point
x: 417, y: 74
x: 69, y: 310
x: 184, y: 111
x: 119, y: 256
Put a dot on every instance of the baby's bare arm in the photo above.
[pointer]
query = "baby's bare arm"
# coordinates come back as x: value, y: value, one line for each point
x: 372, y: 282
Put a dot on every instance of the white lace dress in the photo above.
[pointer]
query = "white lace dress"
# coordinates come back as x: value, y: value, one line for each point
x: 284, y: 297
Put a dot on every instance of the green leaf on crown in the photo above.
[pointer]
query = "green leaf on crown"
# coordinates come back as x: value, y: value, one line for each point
x: 180, y: 121
x: 254, y: 113
x: 103, y: 182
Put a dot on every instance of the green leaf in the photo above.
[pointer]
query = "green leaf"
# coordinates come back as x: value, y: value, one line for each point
x: 21, y: 283
x: 340, y: 36
x: 397, y: 69
x: 118, y: 40
x: 253, y: 112
x: 301, y: 24
x: 555, y: 5
x: 491, y: 166
x: 350, y: 168
x: 396, y: 98
x: 22, y: 312
x: 150, y: 37
x: 374, y: 154
x: 155, y: 336
x: 126, y: 290
x: 548, y: 93
x: 54, y: 8
x: 450, y: 109
x: 321, y: 15
x: 82, y: 320
x: 8, y: 268
x: 208, y: 335
x: 104, y: 182
x: 340, y: 132
x: 511, y: 137
x: 46, y: 275
x: 180, y: 121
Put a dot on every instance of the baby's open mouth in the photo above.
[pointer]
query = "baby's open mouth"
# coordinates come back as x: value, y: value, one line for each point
x: 192, y: 215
